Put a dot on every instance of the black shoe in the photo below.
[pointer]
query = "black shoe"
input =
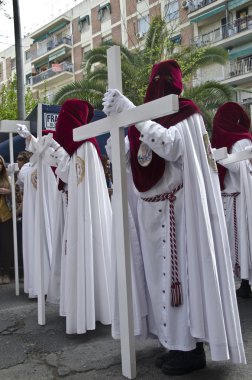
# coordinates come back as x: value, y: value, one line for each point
x: 185, y: 362
x: 244, y: 290
x: 165, y: 357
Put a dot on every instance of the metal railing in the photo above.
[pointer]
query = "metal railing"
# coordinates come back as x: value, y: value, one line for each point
x: 51, y: 43
x: 240, y: 67
x: 62, y: 67
x: 194, y: 5
x: 232, y: 28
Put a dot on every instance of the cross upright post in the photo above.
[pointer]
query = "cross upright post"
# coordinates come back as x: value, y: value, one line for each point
x: 115, y: 125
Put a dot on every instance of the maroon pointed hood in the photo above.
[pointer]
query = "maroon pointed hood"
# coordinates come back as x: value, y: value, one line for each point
x: 230, y: 124
x: 74, y: 113
x: 165, y: 79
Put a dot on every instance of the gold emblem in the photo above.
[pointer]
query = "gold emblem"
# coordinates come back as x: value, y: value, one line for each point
x: 209, y: 153
x: 144, y: 154
x: 34, y: 178
x: 80, y: 169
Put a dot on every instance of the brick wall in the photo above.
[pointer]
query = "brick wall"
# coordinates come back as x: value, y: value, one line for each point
x: 115, y: 11
x: 96, y: 24
x: 155, y: 11
x: 97, y: 41
x: 117, y: 34
x: 75, y: 31
x: 77, y: 51
x: 132, y: 30
x: 131, y: 7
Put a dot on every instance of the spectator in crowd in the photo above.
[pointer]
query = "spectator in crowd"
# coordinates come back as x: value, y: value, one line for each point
x: 6, y: 229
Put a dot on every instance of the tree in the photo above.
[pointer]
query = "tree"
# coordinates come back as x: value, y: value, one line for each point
x: 8, y: 101
x: 137, y: 64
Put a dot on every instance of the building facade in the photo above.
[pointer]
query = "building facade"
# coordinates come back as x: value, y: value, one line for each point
x: 53, y: 54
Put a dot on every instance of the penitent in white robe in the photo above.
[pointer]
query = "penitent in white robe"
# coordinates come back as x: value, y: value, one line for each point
x: 209, y: 311
x: 30, y: 228
x: 238, y: 179
x: 85, y: 257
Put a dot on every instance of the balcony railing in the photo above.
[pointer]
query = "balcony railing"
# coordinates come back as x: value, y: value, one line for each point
x: 194, y: 5
x: 51, y: 43
x: 55, y: 70
x: 239, y: 25
x: 241, y: 67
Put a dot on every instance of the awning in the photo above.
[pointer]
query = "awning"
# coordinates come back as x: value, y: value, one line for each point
x: 208, y: 14
x: 57, y: 54
x: 241, y: 51
x: 232, y: 4
x: 51, y: 31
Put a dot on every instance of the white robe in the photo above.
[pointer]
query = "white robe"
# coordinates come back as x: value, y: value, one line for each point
x: 238, y: 178
x: 209, y: 311
x: 30, y: 228
x: 85, y: 257
x: 53, y: 294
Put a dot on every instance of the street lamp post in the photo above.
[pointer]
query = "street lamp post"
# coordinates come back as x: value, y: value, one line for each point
x: 19, y: 62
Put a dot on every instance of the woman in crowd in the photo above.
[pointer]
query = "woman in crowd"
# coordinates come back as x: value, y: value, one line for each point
x: 6, y: 231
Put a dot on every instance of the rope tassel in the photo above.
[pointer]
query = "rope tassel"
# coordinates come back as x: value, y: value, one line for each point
x: 176, y: 294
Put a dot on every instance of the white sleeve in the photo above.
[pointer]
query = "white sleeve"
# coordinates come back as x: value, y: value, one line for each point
x: 109, y: 149
x: 62, y: 170
x: 166, y: 143
x: 31, y: 145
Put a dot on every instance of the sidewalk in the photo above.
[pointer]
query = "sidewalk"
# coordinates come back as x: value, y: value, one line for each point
x: 32, y: 352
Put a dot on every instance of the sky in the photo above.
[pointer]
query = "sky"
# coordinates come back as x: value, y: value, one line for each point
x: 33, y: 15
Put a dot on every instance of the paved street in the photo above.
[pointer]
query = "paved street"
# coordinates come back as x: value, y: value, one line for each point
x: 32, y: 352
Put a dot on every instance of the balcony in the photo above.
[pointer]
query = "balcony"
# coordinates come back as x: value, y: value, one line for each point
x: 239, y: 72
x: 50, y: 44
x: 241, y: 67
x: 241, y: 28
x: 194, y: 5
x: 56, y: 73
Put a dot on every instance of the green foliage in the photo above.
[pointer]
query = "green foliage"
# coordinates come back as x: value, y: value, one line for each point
x: 8, y: 101
x: 137, y: 64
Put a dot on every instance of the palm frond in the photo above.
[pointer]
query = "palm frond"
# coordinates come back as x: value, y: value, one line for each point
x: 91, y: 91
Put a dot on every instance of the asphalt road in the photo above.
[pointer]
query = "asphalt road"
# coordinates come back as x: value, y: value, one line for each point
x: 32, y: 352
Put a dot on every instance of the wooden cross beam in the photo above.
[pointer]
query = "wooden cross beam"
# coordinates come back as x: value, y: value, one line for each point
x: 115, y: 125
x: 223, y: 158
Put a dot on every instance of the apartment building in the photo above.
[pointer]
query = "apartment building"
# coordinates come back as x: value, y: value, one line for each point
x: 227, y: 24
x: 53, y: 54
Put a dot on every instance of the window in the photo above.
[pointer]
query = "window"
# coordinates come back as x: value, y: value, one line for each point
x: 241, y: 20
x: 171, y: 11
x: 84, y: 23
x: 104, y: 12
x: 143, y: 25
x: 27, y: 55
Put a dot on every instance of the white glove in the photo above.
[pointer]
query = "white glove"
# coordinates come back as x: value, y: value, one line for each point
x: 23, y: 131
x: 114, y: 102
x: 55, y: 145
x: 12, y: 168
x: 48, y: 157
x: 59, y: 155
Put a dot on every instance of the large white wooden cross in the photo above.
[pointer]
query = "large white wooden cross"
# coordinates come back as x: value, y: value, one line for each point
x: 36, y: 159
x: 10, y: 126
x: 224, y: 158
x: 115, y: 125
